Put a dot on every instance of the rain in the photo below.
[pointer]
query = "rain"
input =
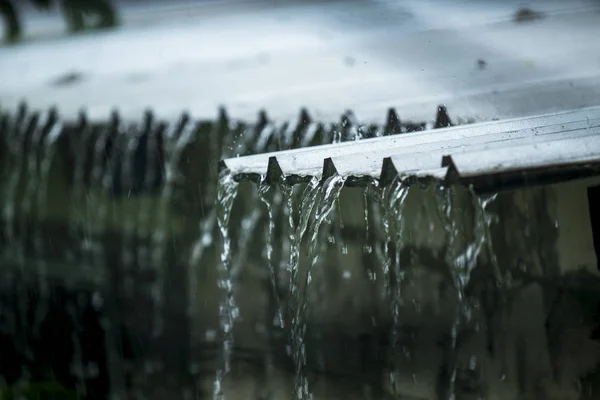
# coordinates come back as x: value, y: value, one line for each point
x: 241, y: 201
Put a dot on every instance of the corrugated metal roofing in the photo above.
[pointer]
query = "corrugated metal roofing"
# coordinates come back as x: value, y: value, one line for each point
x: 540, y: 149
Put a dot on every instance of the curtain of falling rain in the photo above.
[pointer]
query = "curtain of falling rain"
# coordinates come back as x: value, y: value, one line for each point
x: 310, y: 229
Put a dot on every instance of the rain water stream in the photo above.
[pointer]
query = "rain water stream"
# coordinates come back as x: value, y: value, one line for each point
x: 306, y: 214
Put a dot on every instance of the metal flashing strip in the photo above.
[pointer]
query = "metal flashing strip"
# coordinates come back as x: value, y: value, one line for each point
x: 535, y: 149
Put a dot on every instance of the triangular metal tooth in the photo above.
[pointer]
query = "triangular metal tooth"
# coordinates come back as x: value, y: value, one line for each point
x: 442, y: 119
x: 274, y: 172
x: 452, y: 175
x: 223, y: 118
x: 388, y: 172
x: 348, y: 119
x: 300, y: 128
x: 393, y: 123
x: 261, y: 124
x: 148, y: 122
x: 222, y: 166
x: 32, y: 124
x: 329, y: 133
x: 329, y: 169
x: 184, y: 118
x: 263, y: 119
x: 50, y: 122
x: 82, y: 119
x: 52, y: 115
x: 148, y: 117
x: 304, y: 118
x: 21, y: 109
x: 115, y: 118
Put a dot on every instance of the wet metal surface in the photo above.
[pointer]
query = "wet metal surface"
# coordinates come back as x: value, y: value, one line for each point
x: 528, y: 147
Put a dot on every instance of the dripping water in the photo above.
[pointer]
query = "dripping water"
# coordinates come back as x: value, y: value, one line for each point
x: 329, y: 193
x: 263, y: 189
x: 502, y: 281
x: 394, y: 199
x: 460, y: 276
x: 16, y: 144
x: 176, y: 140
x: 99, y: 208
x: 462, y: 260
x: 49, y: 150
x: 228, y: 311
x: 77, y: 217
x: 308, y: 200
x: 128, y: 217
x: 275, y: 319
x: 33, y: 180
x: 368, y: 247
x: 246, y: 234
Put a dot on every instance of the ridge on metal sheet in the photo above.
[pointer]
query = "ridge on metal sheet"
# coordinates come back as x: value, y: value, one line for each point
x: 537, y: 148
x: 289, y: 165
x: 426, y: 155
x: 290, y: 160
x: 556, y: 152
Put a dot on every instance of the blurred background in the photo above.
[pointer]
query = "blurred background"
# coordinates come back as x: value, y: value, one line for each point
x: 477, y: 56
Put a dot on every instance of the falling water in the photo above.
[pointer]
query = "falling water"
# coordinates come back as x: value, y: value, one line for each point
x: 130, y: 142
x: 49, y: 150
x: 177, y: 137
x: 79, y: 215
x: 246, y: 234
x: 274, y: 311
x: 394, y: 198
x: 502, y: 280
x: 263, y: 189
x: 329, y: 193
x: 204, y: 241
x: 367, y: 248
x: 16, y: 144
x: 32, y: 173
x: 460, y: 275
x: 99, y: 209
x: 462, y: 259
x: 296, y: 233
x: 228, y: 311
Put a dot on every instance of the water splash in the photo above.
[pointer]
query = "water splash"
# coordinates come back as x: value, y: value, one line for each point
x: 226, y: 194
